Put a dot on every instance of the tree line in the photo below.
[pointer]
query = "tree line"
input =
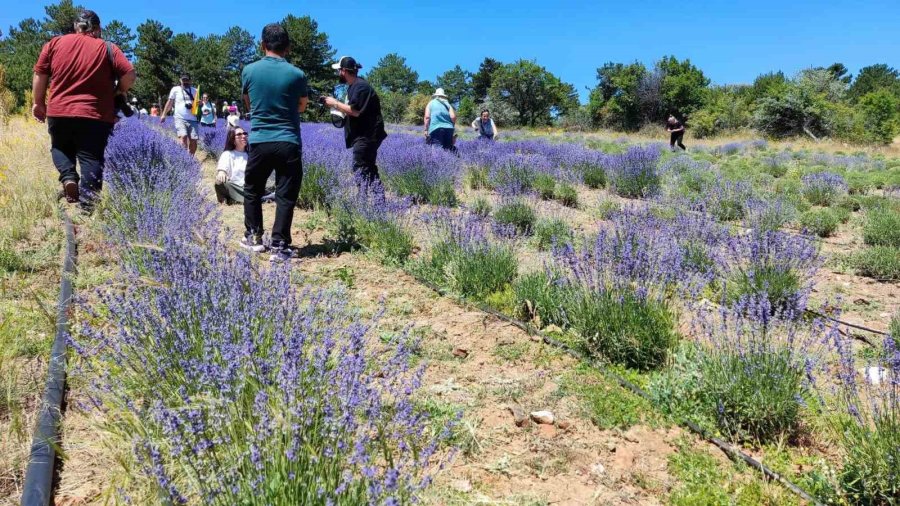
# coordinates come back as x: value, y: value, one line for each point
x: 818, y: 102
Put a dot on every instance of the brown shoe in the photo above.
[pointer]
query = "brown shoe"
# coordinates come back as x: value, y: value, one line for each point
x: 70, y: 190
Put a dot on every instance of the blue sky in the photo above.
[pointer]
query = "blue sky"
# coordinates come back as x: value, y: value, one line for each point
x: 732, y: 41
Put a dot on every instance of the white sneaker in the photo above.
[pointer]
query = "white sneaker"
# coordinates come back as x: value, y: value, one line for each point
x: 253, y: 244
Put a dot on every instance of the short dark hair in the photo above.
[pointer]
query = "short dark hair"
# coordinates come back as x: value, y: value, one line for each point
x: 485, y: 111
x: 275, y: 38
x: 87, y: 21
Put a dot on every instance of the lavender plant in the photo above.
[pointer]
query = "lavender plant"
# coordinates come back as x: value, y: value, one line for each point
x: 634, y: 173
x: 824, y: 188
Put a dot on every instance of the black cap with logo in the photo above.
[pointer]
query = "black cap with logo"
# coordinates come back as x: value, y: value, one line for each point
x: 346, y: 62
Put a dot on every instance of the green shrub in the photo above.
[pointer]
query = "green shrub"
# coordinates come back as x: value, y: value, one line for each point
x: 841, y: 214
x: 755, y: 394
x: 472, y: 272
x: 850, y: 203
x: 871, y: 473
x: 567, y: 195
x: 518, y: 215
x: 594, y: 176
x: 414, y: 184
x: 624, y: 328
x: 481, y: 207
x: 878, y: 262
x: 821, y: 222
x: 607, y: 208
x: 894, y: 329
x: 315, y: 187
x: 388, y: 240
x: 859, y: 183
x: 541, y: 298
x: 779, y: 286
x: 443, y: 194
x: 477, y: 178
x: 548, y: 232
x: 10, y: 261
x: 545, y: 186
x: 882, y: 227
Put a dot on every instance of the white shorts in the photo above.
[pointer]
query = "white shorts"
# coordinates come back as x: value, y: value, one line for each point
x: 186, y: 128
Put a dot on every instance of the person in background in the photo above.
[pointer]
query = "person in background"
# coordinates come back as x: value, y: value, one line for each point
x: 207, y: 112
x: 143, y: 112
x: 154, y: 111
x: 676, y: 133
x: 83, y: 84
x: 364, y: 126
x: 224, y: 111
x: 485, y: 126
x: 440, y: 121
x: 232, y: 167
x: 181, y: 98
x: 276, y: 93
x: 233, y: 116
x: 134, y: 107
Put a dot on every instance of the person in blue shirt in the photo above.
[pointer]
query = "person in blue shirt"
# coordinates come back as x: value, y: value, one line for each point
x: 207, y: 112
x: 440, y: 121
x: 275, y: 93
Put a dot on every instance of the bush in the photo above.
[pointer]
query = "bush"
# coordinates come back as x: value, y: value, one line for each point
x: 567, y: 195
x: 481, y: 207
x: 540, y: 297
x: 882, y: 227
x: 821, y: 222
x: 421, y: 188
x: 635, y: 173
x: 594, y: 176
x: 316, y: 187
x: 850, y: 203
x: 475, y: 272
x: 549, y: 232
x: 624, y: 328
x: 777, y: 285
x: 545, y: 186
x: 518, y: 215
x: 387, y: 239
x: 878, y: 262
x: 477, y: 178
x: 824, y: 188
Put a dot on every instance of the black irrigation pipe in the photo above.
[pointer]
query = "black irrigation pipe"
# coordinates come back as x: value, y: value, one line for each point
x: 729, y: 450
x: 39, y: 477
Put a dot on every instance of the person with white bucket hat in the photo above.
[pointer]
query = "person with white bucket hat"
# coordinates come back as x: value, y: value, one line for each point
x: 440, y: 121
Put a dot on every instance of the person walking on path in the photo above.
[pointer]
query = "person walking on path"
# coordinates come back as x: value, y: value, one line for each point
x: 676, y: 133
x: 440, y: 121
x: 224, y: 110
x: 84, y: 75
x: 207, y: 112
x: 485, y: 126
x: 181, y: 99
x: 275, y: 92
x: 364, y: 126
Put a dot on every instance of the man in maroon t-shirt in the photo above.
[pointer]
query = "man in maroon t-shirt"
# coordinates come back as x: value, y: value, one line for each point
x: 81, y: 71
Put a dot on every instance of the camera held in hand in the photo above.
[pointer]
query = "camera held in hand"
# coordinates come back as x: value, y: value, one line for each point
x: 120, y: 104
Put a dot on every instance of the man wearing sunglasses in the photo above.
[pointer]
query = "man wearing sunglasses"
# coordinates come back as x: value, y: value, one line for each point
x: 275, y: 93
x: 181, y: 100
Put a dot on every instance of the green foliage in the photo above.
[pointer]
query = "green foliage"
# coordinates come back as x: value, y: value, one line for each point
x: 395, y: 106
x: 517, y: 214
x: 415, y: 109
x: 391, y: 73
x: 894, y: 329
x: 481, y: 207
x: 544, y: 185
x: 388, y: 240
x: 548, y: 232
x: 821, y: 222
x: 683, y: 88
x: 874, y: 78
x: 882, y: 227
x: 678, y: 390
x: 315, y: 187
x: 482, y: 80
x: 456, y: 83
x: 121, y: 35
x: 778, y: 285
x: 541, y: 299
x: 608, y: 405
x: 155, y: 52
x: 810, y: 105
x: 471, y: 272
x: 880, y: 111
x: 566, y: 195
x: 535, y: 94
x: 615, y: 102
x: 878, y: 262
x: 310, y: 51
x: 415, y: 184
x: 594, y: 176
x: 624, y: 328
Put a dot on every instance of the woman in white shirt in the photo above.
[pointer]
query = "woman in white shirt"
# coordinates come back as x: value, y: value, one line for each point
x: 231, y: 168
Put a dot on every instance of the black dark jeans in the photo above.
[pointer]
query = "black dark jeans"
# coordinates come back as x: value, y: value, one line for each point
x: 285, y: 159
x: 442, y: 137
x: 365, y: 154
x: 82, y: 140
x: 675, y: 138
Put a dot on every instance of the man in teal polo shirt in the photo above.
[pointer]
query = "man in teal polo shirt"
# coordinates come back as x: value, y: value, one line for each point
x: 275, y: 94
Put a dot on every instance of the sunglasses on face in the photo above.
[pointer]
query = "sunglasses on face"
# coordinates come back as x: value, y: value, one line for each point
x: 242, y: 134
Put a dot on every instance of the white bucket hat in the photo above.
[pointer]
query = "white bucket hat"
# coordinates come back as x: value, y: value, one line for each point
x: 439, y: 93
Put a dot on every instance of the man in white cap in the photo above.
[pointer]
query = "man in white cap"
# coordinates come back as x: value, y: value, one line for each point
x: 440, y: 121
x: 364, y: 128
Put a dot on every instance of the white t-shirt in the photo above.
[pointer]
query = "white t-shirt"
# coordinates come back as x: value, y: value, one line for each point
x: 183, y: 96
x: 234, y: 163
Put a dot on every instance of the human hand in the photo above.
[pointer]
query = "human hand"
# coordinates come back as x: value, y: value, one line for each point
x: 331, y: 101
x: 162, y: 119
x: 39, y: 111
x: 221, y: 177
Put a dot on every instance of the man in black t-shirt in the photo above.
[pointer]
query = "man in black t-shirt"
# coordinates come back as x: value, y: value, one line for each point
x: 676, y: 133
x: 364, y: 127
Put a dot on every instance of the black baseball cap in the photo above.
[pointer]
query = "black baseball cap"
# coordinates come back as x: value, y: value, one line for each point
x: 185, y: 77
x: 346, y: 62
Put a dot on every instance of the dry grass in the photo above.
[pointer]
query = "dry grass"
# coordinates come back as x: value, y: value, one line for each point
x: 30, y: 242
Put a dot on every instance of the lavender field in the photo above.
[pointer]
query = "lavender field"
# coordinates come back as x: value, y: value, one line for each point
x: 711, y: 279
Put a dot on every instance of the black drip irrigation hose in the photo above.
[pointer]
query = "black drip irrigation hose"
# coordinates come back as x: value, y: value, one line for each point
x: 729, y: 450
x: 38, y: 488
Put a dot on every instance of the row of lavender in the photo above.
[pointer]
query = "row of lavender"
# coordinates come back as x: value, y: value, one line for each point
x: 756, y: 370
x: 231, y: 383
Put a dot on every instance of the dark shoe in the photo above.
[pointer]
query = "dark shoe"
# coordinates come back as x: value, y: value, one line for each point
x: 254, y: 244
x: 282, y: 253
x: 70, y: 191
x: 268, y: 198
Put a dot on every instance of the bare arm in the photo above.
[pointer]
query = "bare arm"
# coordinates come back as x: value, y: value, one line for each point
x: 39, y: 93
x: 344, y: 108
x: 166, y: 109
x: 452, y: 116
x: 304, y: 101
x: 246, y: 99
x: 427, y: 119
x: 496, y: 130
x: 126, y: 82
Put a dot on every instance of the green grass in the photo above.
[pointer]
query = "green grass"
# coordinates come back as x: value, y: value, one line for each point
x: 879, y: 262
x: 518, y: 215
x: 549, y: 232
x: 882, y: 227
x: 821, y: 222
x: 605, y: 403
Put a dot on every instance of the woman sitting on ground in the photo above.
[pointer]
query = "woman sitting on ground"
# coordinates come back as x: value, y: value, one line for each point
x: 231, y: 168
